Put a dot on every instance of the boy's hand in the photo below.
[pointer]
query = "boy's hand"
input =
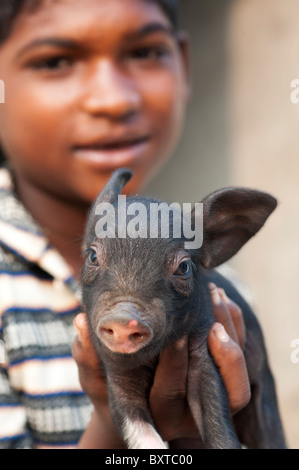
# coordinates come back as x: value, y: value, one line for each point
x: 168, y: 394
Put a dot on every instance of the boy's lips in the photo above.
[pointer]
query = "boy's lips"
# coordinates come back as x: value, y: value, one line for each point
x: 113, y: 153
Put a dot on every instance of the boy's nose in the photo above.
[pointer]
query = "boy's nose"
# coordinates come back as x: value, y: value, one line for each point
x: 111, y: 92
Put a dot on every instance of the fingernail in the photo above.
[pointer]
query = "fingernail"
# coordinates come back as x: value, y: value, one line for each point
x: 214, y: 294
x: 224, y: 296
x: 181, y: 343
x: 220, y: 333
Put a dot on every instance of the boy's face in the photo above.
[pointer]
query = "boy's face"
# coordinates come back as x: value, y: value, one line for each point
x: 91, y: 86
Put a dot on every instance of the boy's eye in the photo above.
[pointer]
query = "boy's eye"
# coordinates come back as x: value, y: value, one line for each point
x: 149, y: 53
x: 53, y: 63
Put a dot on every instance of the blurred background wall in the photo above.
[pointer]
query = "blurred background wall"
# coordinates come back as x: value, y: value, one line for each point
x: 242, y: 129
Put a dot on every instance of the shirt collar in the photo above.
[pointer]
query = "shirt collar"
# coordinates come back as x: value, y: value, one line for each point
x: 20, y: 233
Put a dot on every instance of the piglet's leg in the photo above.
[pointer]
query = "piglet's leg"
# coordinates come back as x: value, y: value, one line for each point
x: 208, y: 402
x: 141, y: 435
x: 130, y: 411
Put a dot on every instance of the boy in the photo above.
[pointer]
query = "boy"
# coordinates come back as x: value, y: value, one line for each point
x: 90, y: 86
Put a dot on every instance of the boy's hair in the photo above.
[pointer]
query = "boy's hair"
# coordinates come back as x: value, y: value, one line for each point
x: 10, y: 9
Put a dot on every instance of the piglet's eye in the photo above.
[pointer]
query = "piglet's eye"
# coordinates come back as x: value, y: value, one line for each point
x: 184, y: 269
x: 93, y: 257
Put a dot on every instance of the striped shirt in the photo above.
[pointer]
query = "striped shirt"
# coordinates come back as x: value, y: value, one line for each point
x: 41, y: 402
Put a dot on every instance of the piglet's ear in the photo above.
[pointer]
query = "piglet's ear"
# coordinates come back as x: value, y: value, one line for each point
x: 114, y: 186
x: 109, y: 194
x: 231, y: 217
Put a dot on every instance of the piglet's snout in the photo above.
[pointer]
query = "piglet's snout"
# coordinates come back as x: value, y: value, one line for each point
x: 124, y: 332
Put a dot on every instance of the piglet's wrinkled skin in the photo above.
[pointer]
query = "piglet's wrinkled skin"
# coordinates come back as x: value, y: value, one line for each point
x: 142, y: 294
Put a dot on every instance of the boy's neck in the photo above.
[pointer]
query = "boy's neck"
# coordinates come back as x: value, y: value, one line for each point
x: 62, y: 221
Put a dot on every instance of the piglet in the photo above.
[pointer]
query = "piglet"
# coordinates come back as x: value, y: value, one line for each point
x: 141, y: 293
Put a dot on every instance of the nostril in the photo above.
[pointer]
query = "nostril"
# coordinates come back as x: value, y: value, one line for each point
x: 137, y: 336
x: 107, y: 331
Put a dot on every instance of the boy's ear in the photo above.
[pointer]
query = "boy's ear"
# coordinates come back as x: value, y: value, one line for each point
x: 231, y: 217
x: 183, y: 39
